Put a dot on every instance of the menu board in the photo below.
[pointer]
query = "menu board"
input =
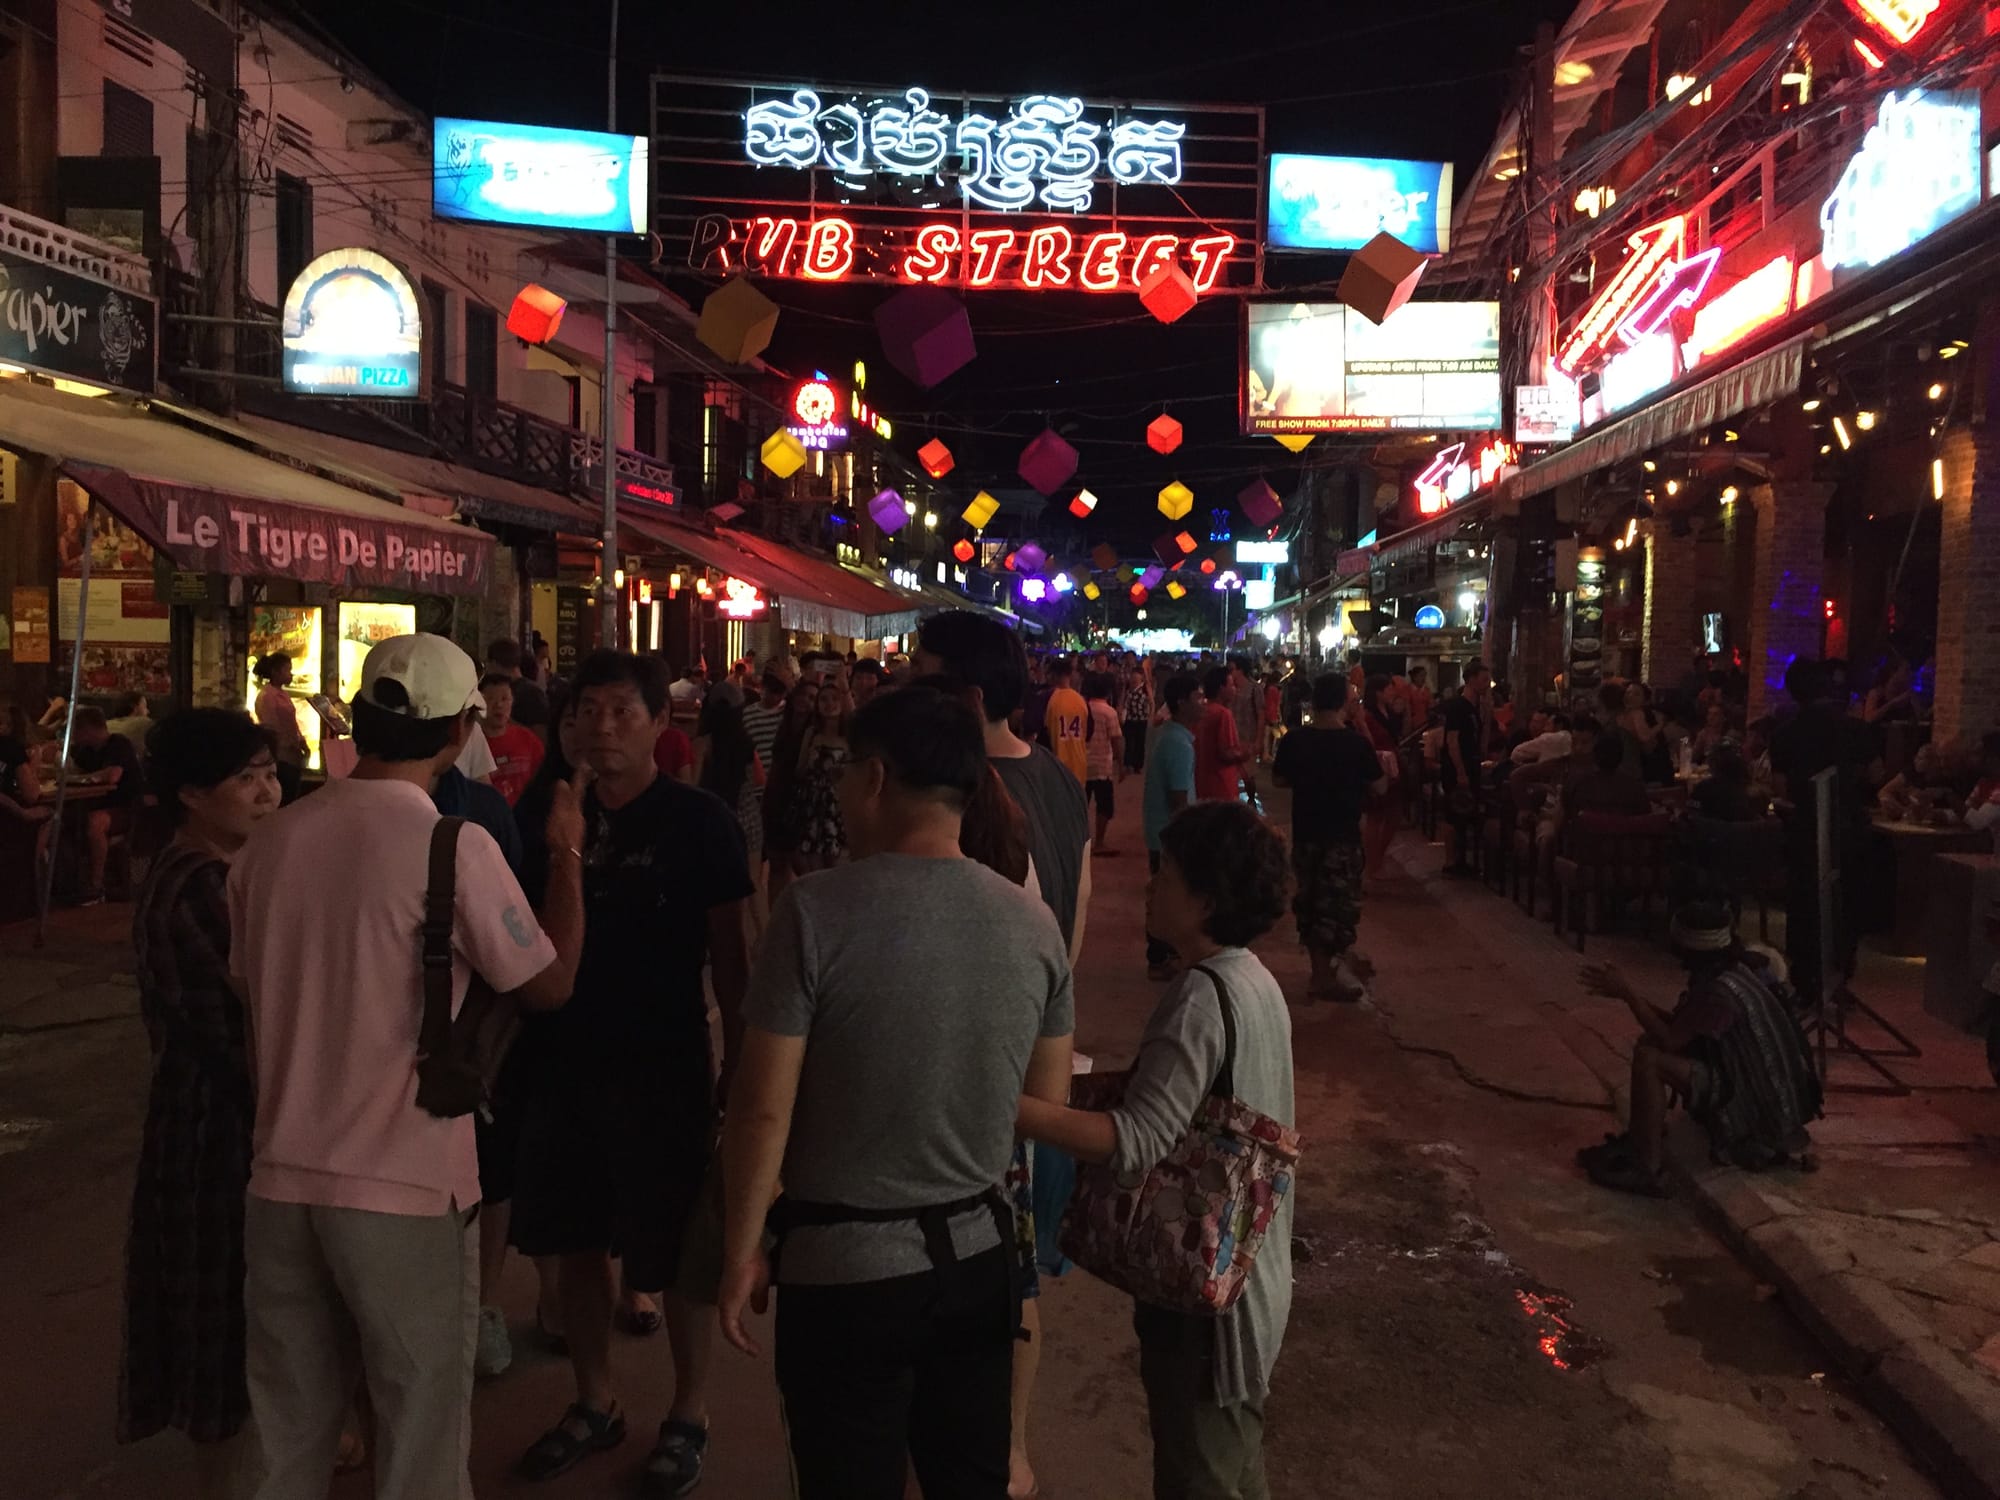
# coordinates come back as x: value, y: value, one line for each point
x: 31, y: 626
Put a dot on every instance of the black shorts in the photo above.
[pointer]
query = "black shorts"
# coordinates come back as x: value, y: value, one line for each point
x: 1135, y: 744
x: 1104, y: 794
x: 613, y: 1158
x: 499, y: 1138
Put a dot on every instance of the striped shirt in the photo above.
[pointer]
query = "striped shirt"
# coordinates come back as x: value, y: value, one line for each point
x: 761, y: 724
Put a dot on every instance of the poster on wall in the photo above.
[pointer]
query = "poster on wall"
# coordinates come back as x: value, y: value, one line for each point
x: 1323, y: 367
x: 31, y: 626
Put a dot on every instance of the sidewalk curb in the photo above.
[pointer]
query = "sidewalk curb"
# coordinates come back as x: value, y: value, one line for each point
x: 1945, y: 1410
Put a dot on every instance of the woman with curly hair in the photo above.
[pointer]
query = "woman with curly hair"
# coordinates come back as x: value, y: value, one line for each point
x: 1222, y: 884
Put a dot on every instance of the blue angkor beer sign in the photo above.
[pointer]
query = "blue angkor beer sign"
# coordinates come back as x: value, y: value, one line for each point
x: 539, y: 176
x: 64, y: 324
x: 353, y: 327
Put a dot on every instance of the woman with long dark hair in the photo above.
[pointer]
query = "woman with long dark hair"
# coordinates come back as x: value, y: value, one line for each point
x: 216, y: 775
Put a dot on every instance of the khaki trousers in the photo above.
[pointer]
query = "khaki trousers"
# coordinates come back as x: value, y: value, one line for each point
x: 335, y: 1293
x: 1201, y: 1450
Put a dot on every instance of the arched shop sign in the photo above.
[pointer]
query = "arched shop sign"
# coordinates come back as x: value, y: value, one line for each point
x: 352, y: 327
x: 1036, y: 192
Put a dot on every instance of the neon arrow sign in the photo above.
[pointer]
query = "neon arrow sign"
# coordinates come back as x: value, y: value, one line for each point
x: 1898, y: 20
x: 1679, y: 286
x: 1653, y: 248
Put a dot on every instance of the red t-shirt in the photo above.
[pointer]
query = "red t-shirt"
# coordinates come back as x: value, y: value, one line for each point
x: 517, y: 755
x: 673, y: 751
x: 1216, y: 776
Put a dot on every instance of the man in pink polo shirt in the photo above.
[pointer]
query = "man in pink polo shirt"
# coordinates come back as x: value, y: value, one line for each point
x: 356, y: 1250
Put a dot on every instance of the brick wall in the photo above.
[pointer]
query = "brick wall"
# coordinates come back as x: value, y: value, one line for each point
x: 1787, y: 598
x: 1968, y: 646
x: 1672, y: 628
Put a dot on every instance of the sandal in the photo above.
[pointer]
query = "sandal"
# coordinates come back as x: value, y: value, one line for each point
x: 1627, y: 1176
x: 579, y: 1434
x: 1616, y: 1147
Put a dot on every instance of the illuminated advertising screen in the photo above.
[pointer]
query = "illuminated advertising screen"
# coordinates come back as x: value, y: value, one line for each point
x: 1343, y: 202
x: 352, y: 327
x: 539, y: 176
x: 1322, y: 367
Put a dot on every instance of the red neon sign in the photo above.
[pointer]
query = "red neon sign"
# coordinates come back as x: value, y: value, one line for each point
x: 1653, y: 247
x: 740, y: 600
x: 1047, y: 257
x: 1680, y: 286
x: 1728, y: 318
x: 1451, y: 475
x: 814, y: 403
x: 1898, y: 20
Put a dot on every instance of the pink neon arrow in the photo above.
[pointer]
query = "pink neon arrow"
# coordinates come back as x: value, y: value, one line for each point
x: 1680, y: 285
x: 1447, y: 459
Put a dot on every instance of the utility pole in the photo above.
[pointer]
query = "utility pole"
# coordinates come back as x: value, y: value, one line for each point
x: 1540, y: 322
x: 219, y: 241
x: 608, y: 612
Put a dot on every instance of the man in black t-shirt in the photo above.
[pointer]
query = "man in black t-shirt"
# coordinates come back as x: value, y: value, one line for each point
x: 620, y: 1107
x: 103, y: 759
x: 1331, y: 771
x: 1459, y: 766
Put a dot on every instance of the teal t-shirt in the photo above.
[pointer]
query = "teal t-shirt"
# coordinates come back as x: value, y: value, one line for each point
x: 1169, y: 768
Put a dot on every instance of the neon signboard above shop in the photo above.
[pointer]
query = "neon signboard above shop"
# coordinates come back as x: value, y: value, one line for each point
x: 1918, y: 169
x: 352, y: 326
x: 540, y: 176
x: 814, y: 417
x: 1033, y: 191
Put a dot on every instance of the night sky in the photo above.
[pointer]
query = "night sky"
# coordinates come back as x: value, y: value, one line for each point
x: 1424, y: 79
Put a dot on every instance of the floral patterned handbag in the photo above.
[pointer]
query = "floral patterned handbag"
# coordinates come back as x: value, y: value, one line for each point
x: 1185, y: 1234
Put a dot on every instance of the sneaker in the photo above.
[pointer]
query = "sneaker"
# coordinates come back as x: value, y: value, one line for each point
x: 675, y: 1465
x: 496, y: 1350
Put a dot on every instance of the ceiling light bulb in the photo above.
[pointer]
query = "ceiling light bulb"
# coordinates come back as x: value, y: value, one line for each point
x: 1865, y: 420
x: 1811, y: 404
x: 1936, y: 392
x: 1729, y: 495
x: 1673, y: 486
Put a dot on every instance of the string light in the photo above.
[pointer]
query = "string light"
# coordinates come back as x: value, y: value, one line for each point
x: 1840, y: 432
x: 1937, y: 479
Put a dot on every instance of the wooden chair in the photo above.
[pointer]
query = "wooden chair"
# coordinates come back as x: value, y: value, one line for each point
x: 1530, y: 798
x: 1607, y: 858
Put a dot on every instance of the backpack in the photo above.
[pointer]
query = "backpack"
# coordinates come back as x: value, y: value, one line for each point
x: 458, y: 1057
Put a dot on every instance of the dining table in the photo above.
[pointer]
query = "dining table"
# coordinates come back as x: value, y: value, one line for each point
x: 1912, y: 849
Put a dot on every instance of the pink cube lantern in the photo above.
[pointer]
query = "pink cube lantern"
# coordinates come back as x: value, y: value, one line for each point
x: 1163, y: 434
x: 1165, y: 548
x: 888, y: 511
x: 936, y: 459
x: 536, y: 314
x: 925, y: 333
x: 1167, y: 293
x: 1048, y: 462
x: 1260, y: 503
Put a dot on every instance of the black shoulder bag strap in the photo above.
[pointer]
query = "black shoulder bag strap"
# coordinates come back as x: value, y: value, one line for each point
x: 1225, y: 1078
x: 440, y: 900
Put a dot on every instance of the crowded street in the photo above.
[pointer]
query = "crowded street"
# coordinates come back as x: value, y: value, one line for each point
x: 1472, y: 1316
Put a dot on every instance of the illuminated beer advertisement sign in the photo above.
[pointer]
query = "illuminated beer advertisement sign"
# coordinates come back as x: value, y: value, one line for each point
x: 908, y: 185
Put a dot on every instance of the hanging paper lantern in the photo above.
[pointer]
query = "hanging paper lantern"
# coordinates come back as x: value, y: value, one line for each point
x: 1176, y: 589
x: 1167, y: 293
x: 1179, y: 563
x: 1032, y: 557
x: 982, y: 510
x: 1092, y: 591
x: 1163, y: 434
x: 963, y: 550
x: 536, y: 314
x: 722, y: 515
x: 1047, y: 462
x: 1258, y: 501
x: 1298, y: 442
x: 1380, y: 277
x: 1083, y: 504
x: 1009, y: 560
x: 1208, y: 565
x: 737, y: 321
x: 1152, y: 576
x: 783, y: 454
x: 1140, y: 593
x: 925, y: 333
x: 1185, y: 542
x: 936, y: 458
x: 1176, y: 500
x: 888, y: 511
x: 1165, y: 548
x: 1105, y: 556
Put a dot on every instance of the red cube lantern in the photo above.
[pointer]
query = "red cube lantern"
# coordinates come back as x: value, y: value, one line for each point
x: 963, y: 550
x: 536, y: 314
x: 1140, y: 593
x: 1208, y: 565
x: 1167, y: 293
x: 1048, y: 462
x: 1083, y: 505
x: 936, y: 459
x: 1007, y: 562
x: 1185, y: 542
x: 1163, y: 434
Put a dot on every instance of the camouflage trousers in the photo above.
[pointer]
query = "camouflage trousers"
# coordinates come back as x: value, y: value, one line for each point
x: 1327, y: 900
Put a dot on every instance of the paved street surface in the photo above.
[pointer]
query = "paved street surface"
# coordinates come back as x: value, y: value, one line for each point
x: 1472, y: 1318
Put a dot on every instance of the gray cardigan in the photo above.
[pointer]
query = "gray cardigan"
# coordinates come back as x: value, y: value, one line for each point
x: 1178, y: 1060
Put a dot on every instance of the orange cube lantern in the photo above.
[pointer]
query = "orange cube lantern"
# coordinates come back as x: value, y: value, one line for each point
x: 536, y: 314
x: 1163, y: 434
x: 1185, y: 542
x: 963, y: 550
x: 936, y: 459
x: 1104, y: 556
x: 1167, y: 293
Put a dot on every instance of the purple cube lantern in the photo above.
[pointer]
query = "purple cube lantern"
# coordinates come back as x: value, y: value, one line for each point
x: 1150, y: 579
x: 888, y: 512
x: 925, y: 333
x: 1030, y: 558
x: 1260, y: 503
x: 1048, y: 462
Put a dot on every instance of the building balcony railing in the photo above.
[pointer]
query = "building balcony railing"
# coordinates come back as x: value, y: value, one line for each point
x: 462, y: 426
x: 67, y: 250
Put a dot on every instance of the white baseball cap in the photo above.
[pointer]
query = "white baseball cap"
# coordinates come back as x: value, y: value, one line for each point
x: 439, y: 681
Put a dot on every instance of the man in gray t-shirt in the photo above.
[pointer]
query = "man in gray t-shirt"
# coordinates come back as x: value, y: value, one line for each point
x: 900, y: 1006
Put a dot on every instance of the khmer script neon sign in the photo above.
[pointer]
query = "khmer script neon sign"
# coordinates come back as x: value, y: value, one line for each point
x: 1044, y: 150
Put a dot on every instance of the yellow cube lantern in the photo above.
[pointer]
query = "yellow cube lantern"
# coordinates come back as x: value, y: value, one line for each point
x: 1092, y: 591
x: 1297, y: 442
x: 1176, y: 589
x: 1176, y: 500
x: 783, y: 454
x: 737, y: 321
x: 981, y: 511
